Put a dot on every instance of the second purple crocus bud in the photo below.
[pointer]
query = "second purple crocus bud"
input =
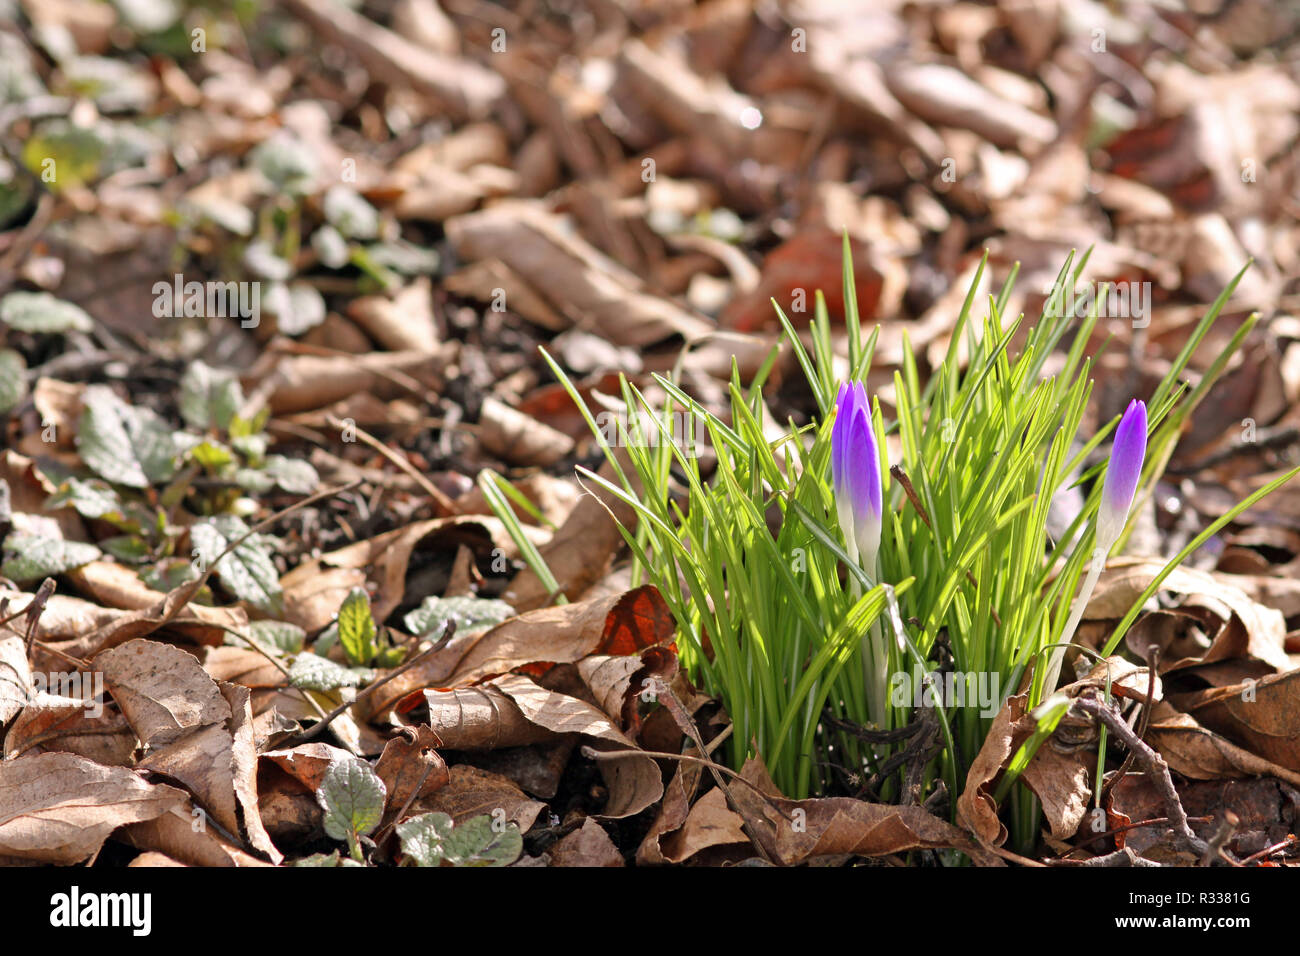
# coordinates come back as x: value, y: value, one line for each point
x: 1122, y: 474
x: 855, y: 475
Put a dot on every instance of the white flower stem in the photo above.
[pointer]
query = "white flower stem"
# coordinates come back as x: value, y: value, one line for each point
x: 1053, y: 671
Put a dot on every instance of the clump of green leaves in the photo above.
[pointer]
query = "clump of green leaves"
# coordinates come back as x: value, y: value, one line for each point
x: 154, y: 484
x: 750, y: 557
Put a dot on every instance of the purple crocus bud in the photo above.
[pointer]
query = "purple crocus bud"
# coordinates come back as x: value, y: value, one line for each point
x: 1122, y: 474
x: 855, y: 475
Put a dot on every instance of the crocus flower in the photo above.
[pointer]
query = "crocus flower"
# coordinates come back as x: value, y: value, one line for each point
x: 1122, y: 474
x: 855, y: 475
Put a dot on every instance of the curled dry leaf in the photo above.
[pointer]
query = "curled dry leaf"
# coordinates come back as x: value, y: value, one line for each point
x: 1236, y: 624
x: 411, y: 768
x: 179, y: 835
x: 976, y: 808
x: 520, y: 439
x: 59, y: 808
x: 580, y: 282
x: 307, y: 763
x: 402, y: 321
x: 582, y: 549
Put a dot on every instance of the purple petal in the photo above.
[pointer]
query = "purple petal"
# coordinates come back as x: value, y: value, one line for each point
x: 839, y: 436
x: 1125, y: 468
x: 863, y: 467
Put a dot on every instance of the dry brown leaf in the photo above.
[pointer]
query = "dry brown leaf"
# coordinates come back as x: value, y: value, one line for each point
x: 456, y: 83
x: 841, y: 825
x: 411, y: 768
x: 673, y: 811
x: 710, y: 822
x: 471, y: 792
x: 66, y: 724
x: 307, y: 763
x: 1261, y: 715
x: 519, y: 439
x: 582, y: 549
x: 618, y: 624
x: 179, y: 834
x: 15, y: 678
x: 163, y: 691
x: 1244, y: 628
x: 975, y: 807
x: 401, y: 321
x: 589, y: 845
x: 1201, y: 754
x: 59, y: 808
x: 576, y: 279
x: 243, y: 766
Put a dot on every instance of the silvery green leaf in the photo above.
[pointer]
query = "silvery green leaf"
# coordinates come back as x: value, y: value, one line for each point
x: 348, y: 212
x: 114, y: 85
x: 423, y: 837
x: 432, y: 839
x: 127, y: 548
x: 247, y: 571
x: 93, y: 498
x: 148, y: 16
x: 210, y: 397
x: 334, y: 859
x: 254, y: 480
x: 404, y: 257
x: 261, y: 260
x: 469, y: 613
x: 297, y: 307
x: 330, y: 247
x: 292, y: 474
x: 13, y: 380
x: 313, y: 672
x: 278, y: 635
x: 476, y: 842
x: 126, y: 445
x: 41, y: 556
x: 42, y: 312
x: 352, y: 796
x: 287, y: 163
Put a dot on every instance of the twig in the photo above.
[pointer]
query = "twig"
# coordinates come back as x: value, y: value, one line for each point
x: 445, y: 504
x: 1152, y: 762
x: 1227, y: 827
